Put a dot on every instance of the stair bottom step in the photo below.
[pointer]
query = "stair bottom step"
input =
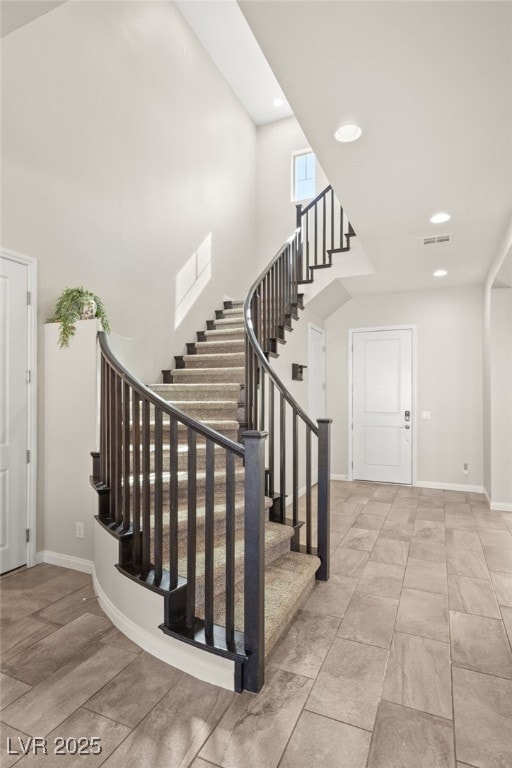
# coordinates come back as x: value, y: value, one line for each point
x: 288, y: 581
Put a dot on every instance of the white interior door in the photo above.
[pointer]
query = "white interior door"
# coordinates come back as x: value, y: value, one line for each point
x: 13, y: 414
x: 382, y: 406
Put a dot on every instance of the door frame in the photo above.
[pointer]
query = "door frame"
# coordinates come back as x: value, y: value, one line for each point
x: 31, y: 263
x: 322, y: 331
x: 350, y: 387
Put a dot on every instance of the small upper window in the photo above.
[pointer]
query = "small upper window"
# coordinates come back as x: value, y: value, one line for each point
x: 303, y: 176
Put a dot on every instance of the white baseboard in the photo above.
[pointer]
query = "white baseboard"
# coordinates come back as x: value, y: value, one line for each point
x: 340, y: 477
x: 450, y: 486
x: 64, y: 561
x: 497, y: 506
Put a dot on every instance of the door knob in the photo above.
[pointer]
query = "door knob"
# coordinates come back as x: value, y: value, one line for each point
x: 407, y: 426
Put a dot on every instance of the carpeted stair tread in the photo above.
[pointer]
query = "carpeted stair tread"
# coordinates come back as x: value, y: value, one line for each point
x: 213, y: 375
x: 225, y: 333
x: 207, y: 409
x: 214, y: 347
x: 229, y: 322
x: 204, y: 391
x: 215, y: 360
x: 288, y: 581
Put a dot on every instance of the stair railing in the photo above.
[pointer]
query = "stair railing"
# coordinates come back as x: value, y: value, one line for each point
x: 293, y: 438
x: 156, y: 462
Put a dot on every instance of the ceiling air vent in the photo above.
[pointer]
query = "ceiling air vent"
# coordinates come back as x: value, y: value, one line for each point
x: 436, y: 240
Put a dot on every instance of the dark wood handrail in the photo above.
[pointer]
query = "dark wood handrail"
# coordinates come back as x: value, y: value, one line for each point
x: 317, y: 199
x: 257, y: 347
x: 167, y: 408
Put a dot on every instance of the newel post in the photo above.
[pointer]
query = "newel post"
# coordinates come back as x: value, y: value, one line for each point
x: 254, y: 567
x: 324, y: 497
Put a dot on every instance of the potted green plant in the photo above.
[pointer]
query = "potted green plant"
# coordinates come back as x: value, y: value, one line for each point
x: 77, y: 304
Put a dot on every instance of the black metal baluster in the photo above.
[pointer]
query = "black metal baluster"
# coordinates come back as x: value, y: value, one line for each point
x: 146, y: 489
x: 126, y: 457
x: 103, y: 421
x: 254, y: 565
x: 173, y: 503
x: 271, y: 436
x: 230, y: 549
x: 295, y: 482
x: 190, y: 614
x: 282, y: 456
x: 137, y: 554
x: 332, y: 219
x: 308, y: 489
x: 324, y: 242
x: 323, y: 514
x: 209, y: 542
x: 158, y: 532
x: 306, y: 276
x: 316, y: 233
x: 118, y: 443
x: 112, y: 442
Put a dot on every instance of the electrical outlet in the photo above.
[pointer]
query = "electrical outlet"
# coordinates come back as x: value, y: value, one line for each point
x: 80, y: 531
x: 465, y: 468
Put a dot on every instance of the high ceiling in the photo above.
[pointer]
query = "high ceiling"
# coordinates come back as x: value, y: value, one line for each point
x: 16, y: 13
x: 430, y: 84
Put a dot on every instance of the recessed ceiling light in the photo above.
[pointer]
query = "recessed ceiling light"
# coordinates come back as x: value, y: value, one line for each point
x: 440, y: 218
x: 348, y: 132
x: 440, y: 273
x: 278, y: 102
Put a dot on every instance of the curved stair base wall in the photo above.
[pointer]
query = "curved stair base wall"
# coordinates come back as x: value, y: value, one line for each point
x: 137, y: 613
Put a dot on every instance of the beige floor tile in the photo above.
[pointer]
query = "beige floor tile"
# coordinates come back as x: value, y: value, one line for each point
x: 462, y: 509
x: 469, y: 540
x: 46, y: 656
x: 11, y: 689
x: 407, y: 738
x: 331, y: 597
x: 47, y: 704
x: 397, y: 531
x: 502, y: 583
x: 255, y: 730
x: 304, y: 646
x: 148, y: 676
x: 461, y: 522
x: 320, y: 741
x: 436, y: 514
x: 453, y: 497
x: 20, y: 635
x: 360, y: 538
x: 399, y: 514
x: 70, y: 607
x: 428, y: 530
x: 349, y: 562
x: 29, y: 578
x: 341, y: 523
x: 369, y: 619
x: 460, y: 562
x: 61, y: 585
x: 493, y: 538
x: 423, y: 574
x: 468, y: 595
x: 498, y: 559
x: 405, y: 502
x: 426, y: 550
x: 418, y: 675
x: 489, y: 520
x: 370, y: 522
x: 16, y: 605
x: 118, y: 640
x: 200, y: 763
x: 480, y: 644
x: 336, y: 539
x: 82, y: 723
x: 349, y: 684
x: 430, y: 503
x: 381, y: 579
x: 424, y: 614
x: 390, y: 551
x: 507, y: 620
x: 9, y: 743
x: 482, y: 718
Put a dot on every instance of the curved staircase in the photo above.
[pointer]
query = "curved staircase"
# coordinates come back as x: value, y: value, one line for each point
x: 211, y: 523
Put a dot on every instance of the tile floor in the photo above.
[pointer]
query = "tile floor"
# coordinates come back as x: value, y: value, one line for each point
x: 402, y: 660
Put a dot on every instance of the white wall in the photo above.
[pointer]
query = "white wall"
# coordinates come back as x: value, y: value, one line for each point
x: 123, y: 149
x: 501, y: 396
x: 276, y: 213
x: 449, y: 376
